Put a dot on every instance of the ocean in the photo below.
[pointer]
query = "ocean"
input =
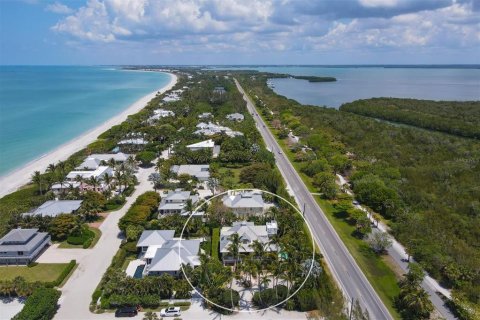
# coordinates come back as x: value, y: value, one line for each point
x: 43, y: 107
x: 361, y: 82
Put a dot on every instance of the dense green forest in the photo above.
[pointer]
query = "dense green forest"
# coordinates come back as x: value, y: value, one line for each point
x: 454, y: 117
x: 425, y: 183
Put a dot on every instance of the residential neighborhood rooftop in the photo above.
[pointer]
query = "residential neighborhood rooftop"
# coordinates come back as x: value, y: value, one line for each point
x: 53, y: 208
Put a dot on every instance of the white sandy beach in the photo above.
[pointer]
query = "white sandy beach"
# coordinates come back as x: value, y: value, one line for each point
x: 22, y: 176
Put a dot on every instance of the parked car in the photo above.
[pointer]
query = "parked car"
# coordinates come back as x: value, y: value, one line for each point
x: 170, y: 312
x: 126, y: 312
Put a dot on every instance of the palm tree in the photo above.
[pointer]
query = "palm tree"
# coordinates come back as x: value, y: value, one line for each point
x: 111, y: 163
x: 212, y: 184
x: 417, y: 302
x: 107, y: 180
x: 94, y: 182
x: 37, y: 178
x: 51, y: 167
x: 119, y: 177
x: 234, y: 248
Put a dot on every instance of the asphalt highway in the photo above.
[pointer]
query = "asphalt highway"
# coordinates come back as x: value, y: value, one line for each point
x: 351, y: 279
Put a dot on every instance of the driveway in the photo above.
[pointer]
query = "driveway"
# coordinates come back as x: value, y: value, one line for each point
x: 77, y: 292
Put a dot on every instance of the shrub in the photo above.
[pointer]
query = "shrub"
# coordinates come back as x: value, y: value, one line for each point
x: 270, y: 297
x: 96, y: 295
x: 123, y: 300
x: 119, y: 258
x: 130, y: 247
x: 41, y: 305
x: 150, y: 301
x: 76, y: 240
x: 306, y: 299
x: 182, y: 304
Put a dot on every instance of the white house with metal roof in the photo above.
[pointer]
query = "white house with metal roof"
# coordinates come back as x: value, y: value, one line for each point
x: 235, y: 117
x: 154, y: 238
x: 210, y: 129
x: 161, y: 253
x: 72, y: 177
x: 206, y: 144
x: 200, y: 171
x: 93, y: 161
x: 170, y: 256
x: 175, y: 202
x: 245, y: 203
x: 53, y: 208
x: 22, y: 246
x: 248, y: 232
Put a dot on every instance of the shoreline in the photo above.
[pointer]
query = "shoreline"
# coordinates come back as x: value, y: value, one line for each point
x: 17, y: 178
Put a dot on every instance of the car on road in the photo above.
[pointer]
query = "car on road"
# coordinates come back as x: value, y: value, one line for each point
x: 170, y: 312
x: 355, y: 202
x: 126, y: 312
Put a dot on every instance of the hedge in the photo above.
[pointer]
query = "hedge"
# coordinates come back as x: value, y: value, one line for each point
x: 141, y: 210
x: 215, y: 242
x: 41, y: 305
x: 146, y: 301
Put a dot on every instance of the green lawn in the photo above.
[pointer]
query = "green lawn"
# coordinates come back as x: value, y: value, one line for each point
x: 379, y: 274
x: 98, y: 234
x: 43, y: 272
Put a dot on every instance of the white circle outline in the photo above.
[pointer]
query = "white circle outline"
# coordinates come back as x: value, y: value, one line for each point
x: 254, y: 310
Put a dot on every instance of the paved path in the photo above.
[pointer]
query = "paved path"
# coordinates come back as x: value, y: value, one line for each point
x: 352, y: 281
x: 77, y: 292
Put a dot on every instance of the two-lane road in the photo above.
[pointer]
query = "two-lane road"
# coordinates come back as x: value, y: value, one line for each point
x: 352, y: 281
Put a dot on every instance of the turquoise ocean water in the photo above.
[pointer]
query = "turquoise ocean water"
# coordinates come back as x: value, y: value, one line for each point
x: 354, y: 82
x: 43, y: 107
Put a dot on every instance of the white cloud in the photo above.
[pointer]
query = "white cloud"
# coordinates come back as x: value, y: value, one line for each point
x: 256, y: 25
x: 378, y: 3
x: 59, y: 8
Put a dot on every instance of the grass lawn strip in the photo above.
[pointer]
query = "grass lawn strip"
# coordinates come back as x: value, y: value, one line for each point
x: 43, y: 272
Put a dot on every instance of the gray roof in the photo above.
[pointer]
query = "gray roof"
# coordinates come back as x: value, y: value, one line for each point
x: 196, y: 170
x: 244, y: 199
x: 236, y: 116
x: 155, y: 237
x: 248, y: 232
x: 90, y: 163
x: 53, y: 208
x: 119, y: 157
x: 173, y: 253
x: 21, y: 240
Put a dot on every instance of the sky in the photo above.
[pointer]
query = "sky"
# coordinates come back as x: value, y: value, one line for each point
x: 194, y: 32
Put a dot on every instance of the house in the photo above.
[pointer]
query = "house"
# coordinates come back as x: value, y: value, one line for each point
x: 93, y: 161
x: 71, y: 180
x: 153, y: 238
x: 161, y: 253
x: 170, y: 256
x: 175, y: 202
x: 207, y: 144
x: 161, y: 113
x: 244, y: 203
x: 205, y: 115
x: 55, y: 207
x: 199, y: 171
x: 135, y: 142
x: 22, y: 246
x: 235, y: 117
x: 248, y: 232
x: 209, y: 129
x: 219, y: 90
